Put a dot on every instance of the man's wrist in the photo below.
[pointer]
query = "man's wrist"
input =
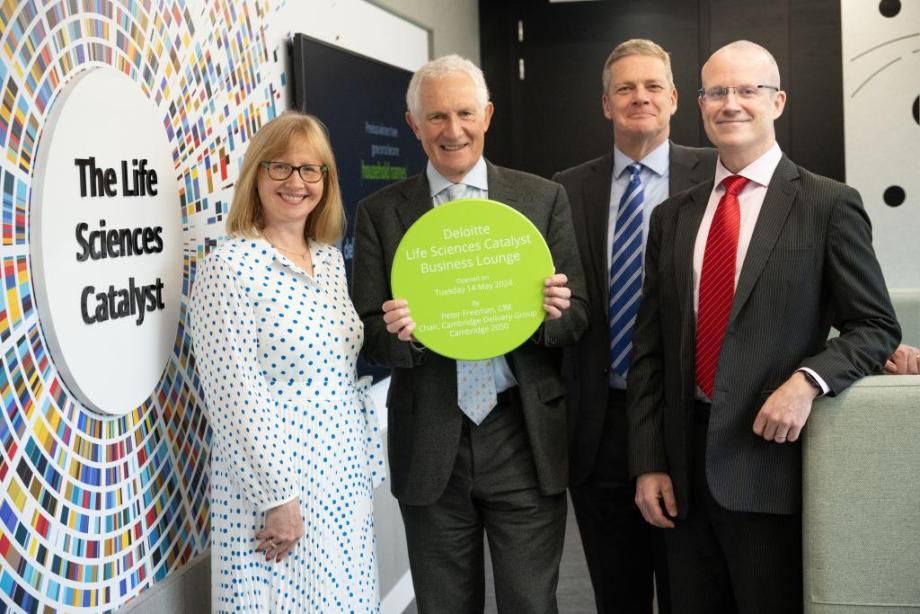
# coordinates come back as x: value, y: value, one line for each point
x: 813, y: 382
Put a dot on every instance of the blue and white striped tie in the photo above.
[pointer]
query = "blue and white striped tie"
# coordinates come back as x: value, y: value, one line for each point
x: 626, y: 273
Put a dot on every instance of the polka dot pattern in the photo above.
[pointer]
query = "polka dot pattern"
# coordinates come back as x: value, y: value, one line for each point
x: 276, y: 351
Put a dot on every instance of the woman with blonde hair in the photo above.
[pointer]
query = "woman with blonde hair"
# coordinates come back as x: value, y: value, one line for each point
x: 296, y: 453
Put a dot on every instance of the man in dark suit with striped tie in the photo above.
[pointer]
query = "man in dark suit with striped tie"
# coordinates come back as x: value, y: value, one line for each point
x: 745, y: 274
x: 612, y: 198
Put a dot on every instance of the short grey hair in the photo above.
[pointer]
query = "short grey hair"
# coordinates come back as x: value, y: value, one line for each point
x: 441, y: 67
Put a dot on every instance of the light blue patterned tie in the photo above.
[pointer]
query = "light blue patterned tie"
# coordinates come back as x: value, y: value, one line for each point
x: 476, y: 388
x: 626, y: 273
x: 455, y: 191
x: 476, y: 394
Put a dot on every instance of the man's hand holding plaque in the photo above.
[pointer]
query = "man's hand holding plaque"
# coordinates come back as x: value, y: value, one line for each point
x: 399, y: 322
x: 555, y: 300
x: 555, y: 296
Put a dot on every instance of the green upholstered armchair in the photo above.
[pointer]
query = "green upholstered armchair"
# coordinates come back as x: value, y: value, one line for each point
x: 861, y: 512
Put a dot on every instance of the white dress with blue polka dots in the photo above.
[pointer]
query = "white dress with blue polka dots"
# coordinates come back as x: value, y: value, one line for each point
x: 276, y: 353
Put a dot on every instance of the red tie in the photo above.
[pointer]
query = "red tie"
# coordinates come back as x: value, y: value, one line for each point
x: 717, y: 282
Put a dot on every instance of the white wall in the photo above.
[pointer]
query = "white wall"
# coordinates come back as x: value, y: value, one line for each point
x: 454, y: 23
x: 881, y: 64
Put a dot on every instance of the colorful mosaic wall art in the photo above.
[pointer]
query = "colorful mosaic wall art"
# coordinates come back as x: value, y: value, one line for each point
x: 95, y: 509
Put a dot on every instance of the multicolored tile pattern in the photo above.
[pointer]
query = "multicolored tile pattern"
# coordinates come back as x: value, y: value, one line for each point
x: 95, y: 509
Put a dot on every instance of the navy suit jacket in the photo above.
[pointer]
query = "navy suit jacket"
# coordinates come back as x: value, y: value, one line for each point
x: 587, y: 363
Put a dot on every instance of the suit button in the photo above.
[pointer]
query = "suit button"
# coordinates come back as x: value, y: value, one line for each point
x: 605, y: 370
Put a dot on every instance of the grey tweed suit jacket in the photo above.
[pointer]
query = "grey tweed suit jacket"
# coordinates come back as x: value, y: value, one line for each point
x: 424, y: 421
x: 587, y: 363
x: 810, y: 265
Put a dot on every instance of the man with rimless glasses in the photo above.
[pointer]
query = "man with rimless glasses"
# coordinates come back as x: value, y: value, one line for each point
x: 744, y: 276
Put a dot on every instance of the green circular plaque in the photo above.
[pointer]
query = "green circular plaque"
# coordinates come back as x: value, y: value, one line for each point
x: 472, y: 271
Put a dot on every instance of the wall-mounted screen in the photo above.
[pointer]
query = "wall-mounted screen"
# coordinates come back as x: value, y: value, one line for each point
x: 362, y: 102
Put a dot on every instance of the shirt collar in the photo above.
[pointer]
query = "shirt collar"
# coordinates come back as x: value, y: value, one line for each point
x: 657, y: 160
x: 477, y: 178
x: 267, y: 254
x: 760, y: 171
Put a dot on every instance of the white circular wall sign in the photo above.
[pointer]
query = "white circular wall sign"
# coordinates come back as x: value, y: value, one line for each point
x: 107, y: 241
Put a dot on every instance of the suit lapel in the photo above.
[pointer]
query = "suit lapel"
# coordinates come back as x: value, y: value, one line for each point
x: 418, y: 200
x: 596, y: 210
x: 686, y: 170
x: 781, y: 195
x: 500, y: 189
x: 688, y: 224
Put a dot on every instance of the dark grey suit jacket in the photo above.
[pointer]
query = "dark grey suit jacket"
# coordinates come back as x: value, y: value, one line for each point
x: 810, y: 265
x: 587, y: 363
x: 424, y: 420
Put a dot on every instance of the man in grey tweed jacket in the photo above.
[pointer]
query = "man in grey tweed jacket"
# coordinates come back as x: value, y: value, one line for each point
x: 717, y: 457
x: 457, y: 479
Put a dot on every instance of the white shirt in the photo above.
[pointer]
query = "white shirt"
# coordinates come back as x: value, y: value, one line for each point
x: 751, y: 198
x: 760, y: 172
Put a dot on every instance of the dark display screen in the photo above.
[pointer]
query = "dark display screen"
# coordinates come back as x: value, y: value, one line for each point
x: 362, y: 102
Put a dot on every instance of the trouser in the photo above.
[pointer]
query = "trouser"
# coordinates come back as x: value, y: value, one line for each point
x: 726, y: 561
x: 493, y: 489
x: 623, y: 552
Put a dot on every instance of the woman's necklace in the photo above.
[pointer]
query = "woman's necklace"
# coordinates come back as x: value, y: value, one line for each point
x: 301, y: 255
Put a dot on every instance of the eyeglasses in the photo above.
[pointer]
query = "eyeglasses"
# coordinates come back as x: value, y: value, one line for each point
x: 280, y: 171
x: 718, y: 93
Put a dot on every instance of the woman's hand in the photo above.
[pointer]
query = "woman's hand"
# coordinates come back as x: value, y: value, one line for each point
x: 283, y: 527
